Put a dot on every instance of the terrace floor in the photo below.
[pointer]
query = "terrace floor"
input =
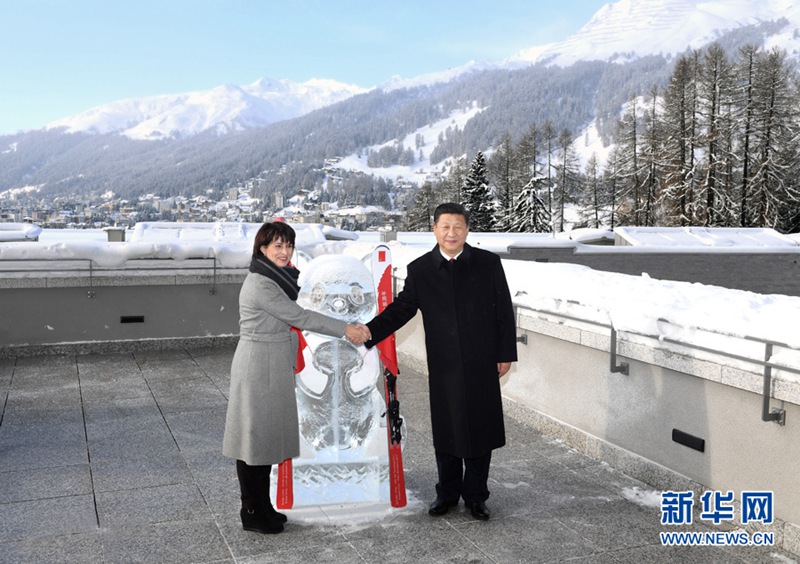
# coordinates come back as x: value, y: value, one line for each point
x: 116, y: 458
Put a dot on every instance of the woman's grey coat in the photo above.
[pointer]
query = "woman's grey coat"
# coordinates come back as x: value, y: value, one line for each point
x: 261, y: 425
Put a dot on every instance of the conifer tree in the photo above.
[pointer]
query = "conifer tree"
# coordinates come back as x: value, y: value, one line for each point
x: 629, y: 166
x: 714, y: 87
x: 526, y: 162
x: 453, y: 186
x: 530, y: 212
x: 477, y: 197
x: 775, y: 194
x: 679, y: 122
x: 611, y: 185
x: 592, y: 204
x: 503, y: 173
x: 549, y: 141
x: 748, y: 64
x: 419, y: 217
x: 651, y: 154
x: 567, y: 178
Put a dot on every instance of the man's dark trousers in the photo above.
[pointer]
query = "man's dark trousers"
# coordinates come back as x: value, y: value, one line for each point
x: 463, y: 477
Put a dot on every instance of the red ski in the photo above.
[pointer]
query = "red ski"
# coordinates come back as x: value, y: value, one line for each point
x: 387, y: 351
x: 285, y: 495
x: 285, y: 490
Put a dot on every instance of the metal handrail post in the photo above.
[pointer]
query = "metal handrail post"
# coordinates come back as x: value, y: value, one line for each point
x: 213, y: 290
x: 777, y: 415
x: 623, y: 367
x: 90, y: 293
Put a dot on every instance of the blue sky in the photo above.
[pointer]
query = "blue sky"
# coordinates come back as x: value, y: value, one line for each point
x: 62, y: 57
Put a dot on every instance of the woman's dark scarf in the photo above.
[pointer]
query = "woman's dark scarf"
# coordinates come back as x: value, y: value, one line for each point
x: 285, y: 277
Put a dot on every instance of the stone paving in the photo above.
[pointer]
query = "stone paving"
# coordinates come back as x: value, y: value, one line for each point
x: 116, y: 458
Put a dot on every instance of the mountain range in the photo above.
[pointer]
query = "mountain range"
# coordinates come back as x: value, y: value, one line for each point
x: 230, y: 134
x: 223, y: 109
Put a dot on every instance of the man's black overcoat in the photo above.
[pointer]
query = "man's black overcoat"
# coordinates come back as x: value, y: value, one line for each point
x: 469, y: 328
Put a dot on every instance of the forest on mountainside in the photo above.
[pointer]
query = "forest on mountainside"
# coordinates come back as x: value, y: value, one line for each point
x: 718, y: 145
x: 90, y: 163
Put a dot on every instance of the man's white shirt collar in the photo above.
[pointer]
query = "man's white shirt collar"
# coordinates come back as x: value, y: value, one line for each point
x: 448, y: 257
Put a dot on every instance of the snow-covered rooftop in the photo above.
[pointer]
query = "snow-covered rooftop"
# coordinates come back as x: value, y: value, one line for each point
x: 19, y: 232
x: 688, y: 237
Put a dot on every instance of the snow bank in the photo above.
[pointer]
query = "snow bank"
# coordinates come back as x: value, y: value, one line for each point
x: 19, y: 232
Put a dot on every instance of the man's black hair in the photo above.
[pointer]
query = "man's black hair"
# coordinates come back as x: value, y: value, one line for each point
x: 452, y: 208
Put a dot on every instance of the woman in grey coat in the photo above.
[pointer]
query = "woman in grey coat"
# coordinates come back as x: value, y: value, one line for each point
x: 261, y: 428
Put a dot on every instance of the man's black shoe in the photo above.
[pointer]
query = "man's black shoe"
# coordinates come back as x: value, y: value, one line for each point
x: 479, y: 510
x: 441, y: 506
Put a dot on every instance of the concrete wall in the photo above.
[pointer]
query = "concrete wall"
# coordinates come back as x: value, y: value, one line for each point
x: 765, y: 273
x: 45, y: 311
x: 562, y: 384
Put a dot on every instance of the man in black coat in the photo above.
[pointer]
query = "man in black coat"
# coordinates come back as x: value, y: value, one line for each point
x: 470, y: 338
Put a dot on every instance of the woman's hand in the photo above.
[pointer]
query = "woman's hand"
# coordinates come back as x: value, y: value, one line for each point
x: 357, y: 334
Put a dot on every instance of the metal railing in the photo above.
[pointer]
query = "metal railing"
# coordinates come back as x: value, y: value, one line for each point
x: 776, y: 415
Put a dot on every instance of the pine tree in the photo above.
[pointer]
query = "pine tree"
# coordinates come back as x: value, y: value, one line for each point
x: 530, y: 212
x: 567, y: 175
x: 477, y: 197
x: 775, y: 195
x: 714, y: 88
x: 524, y: 166
x: 747, y: 71
x: 526, y: 161
x: 611, y: 185
x: 504, y: 177
x: 591, y: 201
x: 679, y: 121
x: 453, y: 186
x: 651, y: 159
x: 420, y: 216
x: 549, y: 140
x: 629, y: 166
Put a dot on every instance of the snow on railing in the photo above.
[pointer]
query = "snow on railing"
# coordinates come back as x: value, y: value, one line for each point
x: 746, y: 351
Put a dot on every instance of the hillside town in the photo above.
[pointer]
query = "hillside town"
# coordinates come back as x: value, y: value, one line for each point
x: 237, y: 205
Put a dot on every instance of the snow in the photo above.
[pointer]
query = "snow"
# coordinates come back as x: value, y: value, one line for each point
x: 13, y: 193
x: 645, y: 498
x: 697, y: 314
x: 669, y: 311
x: 224, y: 108
x: 420, y: 167
x: 716, y: 238
x: 589, y: 143
x: 630, y: 29
x: 19, y: 231
x: 396, y: 82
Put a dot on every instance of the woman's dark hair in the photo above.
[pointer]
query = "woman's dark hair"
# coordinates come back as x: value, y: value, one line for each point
x: 451, y: 208
x: 272, y: 231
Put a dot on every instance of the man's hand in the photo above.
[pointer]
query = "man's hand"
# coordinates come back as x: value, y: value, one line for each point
x: 502, y: 368
x: 357, y: 334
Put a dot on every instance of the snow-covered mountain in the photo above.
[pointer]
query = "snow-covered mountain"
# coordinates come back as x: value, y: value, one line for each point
x: 629, y: 29
x: 224, y: 108
x: 619, y: 32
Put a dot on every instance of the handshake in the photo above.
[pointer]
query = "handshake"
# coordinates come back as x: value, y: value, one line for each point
x: 357, y: 334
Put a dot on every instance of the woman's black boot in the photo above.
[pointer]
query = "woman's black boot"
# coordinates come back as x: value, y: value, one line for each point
x: 274, y: 515
x: 259, y: 521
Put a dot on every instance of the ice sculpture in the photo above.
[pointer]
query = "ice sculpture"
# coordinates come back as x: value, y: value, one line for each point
x: 343, y: 444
